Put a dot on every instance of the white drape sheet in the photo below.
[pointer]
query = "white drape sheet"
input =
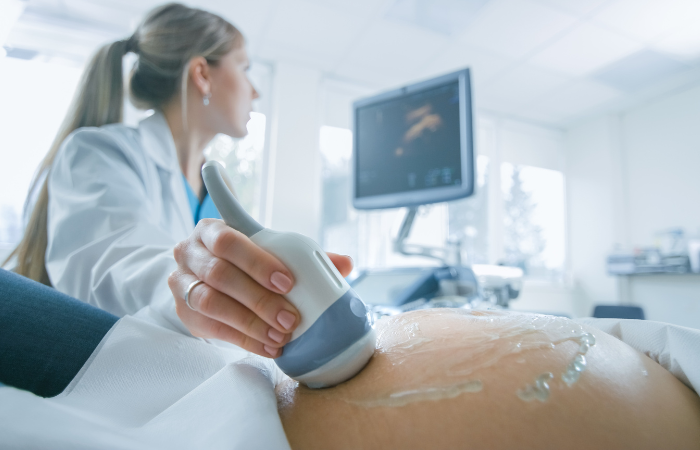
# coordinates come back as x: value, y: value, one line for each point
x: 675, y: 348
x: 150, y: 386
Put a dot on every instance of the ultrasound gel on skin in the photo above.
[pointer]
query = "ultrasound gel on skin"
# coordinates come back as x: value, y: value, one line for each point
x: 335, y: 338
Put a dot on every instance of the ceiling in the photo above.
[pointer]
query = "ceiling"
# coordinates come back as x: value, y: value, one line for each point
x: 546, y: 61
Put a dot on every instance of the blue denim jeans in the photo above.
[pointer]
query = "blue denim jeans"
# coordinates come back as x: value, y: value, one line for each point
x: 45, y: 336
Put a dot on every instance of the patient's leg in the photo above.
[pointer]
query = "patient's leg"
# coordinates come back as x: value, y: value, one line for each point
x: 454, y: 379
x: 45, y: 336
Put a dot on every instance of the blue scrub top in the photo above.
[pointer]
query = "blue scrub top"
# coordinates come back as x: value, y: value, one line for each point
x: 204, y: 210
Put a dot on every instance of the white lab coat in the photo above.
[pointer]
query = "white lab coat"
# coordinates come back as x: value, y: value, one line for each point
x: 117, y: 208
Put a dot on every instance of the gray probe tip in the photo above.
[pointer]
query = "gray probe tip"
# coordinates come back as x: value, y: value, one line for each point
x: 219, y: 187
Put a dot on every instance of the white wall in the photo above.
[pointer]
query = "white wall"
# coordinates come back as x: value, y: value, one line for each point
x: 546, y: 298
x: 662, y: 152
x: 591, y: 189
x: 294, y: 180
x: 629, y: 177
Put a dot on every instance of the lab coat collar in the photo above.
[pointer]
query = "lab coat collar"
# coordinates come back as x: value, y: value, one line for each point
x: 157, y: 141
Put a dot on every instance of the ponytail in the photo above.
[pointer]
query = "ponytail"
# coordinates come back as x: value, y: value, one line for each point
x: 168, y: 38
x: 98, y: 101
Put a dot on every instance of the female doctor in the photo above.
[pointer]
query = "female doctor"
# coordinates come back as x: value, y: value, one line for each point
x: 117, y: 218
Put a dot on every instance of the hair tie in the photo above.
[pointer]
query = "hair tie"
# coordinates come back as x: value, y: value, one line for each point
x: 131, y: 44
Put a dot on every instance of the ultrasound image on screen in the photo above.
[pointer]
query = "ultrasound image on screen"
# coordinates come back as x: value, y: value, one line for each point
x: 410, y: 143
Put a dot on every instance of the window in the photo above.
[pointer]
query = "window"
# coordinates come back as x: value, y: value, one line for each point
x: 243, y: 159
x: 339, y: 221
x: 469, y: 218
x: 533, y: 217
x: 35, y: 97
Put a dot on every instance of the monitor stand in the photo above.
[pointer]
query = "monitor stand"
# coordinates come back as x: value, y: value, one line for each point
x: 451, y: 255
x: 497, y: 284
x: 457, y: 280
x: 453, y: 284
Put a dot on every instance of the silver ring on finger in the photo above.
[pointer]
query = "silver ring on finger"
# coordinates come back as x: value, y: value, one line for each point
x: 189, y: 289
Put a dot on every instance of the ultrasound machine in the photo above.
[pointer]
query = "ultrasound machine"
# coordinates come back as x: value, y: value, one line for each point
x: 415, y: 146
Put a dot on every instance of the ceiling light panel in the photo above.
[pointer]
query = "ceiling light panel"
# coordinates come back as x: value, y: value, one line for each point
x: 276, y: 51
x: 11, y: 10
x: 448, y: 17
x: 639, y: 70
x: 683, y: 42
x: 377, y: 80
x: 311, y: 27
x: 63, y: 37
x: 577, y: 7
x: 522, y: 84
x: 123, y: 14
x: 484, y: 65
x: 648, y: 20
x: 395, y: 48
x: 251, y: 18
x: 515, y: 28
x: 70, y: 45
x: 585, y: 49
x: 574, y: 99
x: 495, y: 105
x: 365, y: 8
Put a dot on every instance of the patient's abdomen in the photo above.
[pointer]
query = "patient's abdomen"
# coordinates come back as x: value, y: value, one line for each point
x: 461, y: 379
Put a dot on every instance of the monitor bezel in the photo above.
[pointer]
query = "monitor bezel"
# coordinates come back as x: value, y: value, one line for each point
x: 431, y: 195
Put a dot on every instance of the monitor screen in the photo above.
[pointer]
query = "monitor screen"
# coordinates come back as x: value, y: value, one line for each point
x: 413, y: 145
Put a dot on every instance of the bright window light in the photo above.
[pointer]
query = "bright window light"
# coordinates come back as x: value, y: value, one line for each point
x: 336, y: 146
x: 243, y: 161
x: 35, y: 98
x: 11, y: 10
x: 469, y: 218
x: 534, y: 220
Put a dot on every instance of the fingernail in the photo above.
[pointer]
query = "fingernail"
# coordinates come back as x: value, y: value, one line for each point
x: 351, y: 260
x: 281, y: 281
x: 275, y: 335
x: 270, y: 350
x: 286, y: 319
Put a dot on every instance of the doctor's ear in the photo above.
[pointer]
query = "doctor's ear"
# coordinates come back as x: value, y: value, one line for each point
x: 200, y: 75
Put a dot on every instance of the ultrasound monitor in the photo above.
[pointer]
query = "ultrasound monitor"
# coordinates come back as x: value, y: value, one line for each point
x: 414, y: 145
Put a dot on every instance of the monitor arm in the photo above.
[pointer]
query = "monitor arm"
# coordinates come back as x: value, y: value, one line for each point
x: 450, y: 255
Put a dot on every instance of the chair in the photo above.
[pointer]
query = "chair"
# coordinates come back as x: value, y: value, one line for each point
x: 618, y: 312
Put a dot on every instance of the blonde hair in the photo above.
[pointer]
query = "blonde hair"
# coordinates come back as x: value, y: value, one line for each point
x: 165, y: 42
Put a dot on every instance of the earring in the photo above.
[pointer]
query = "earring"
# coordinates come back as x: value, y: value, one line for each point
x: 206, y: 98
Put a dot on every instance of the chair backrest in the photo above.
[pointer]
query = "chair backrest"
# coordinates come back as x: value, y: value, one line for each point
x: 618, y: 312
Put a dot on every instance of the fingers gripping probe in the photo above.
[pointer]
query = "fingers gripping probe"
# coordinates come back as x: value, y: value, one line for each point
x: 335, y: 338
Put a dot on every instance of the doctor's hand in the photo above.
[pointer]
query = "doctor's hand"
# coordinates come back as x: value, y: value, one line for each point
x: 240, y: 300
